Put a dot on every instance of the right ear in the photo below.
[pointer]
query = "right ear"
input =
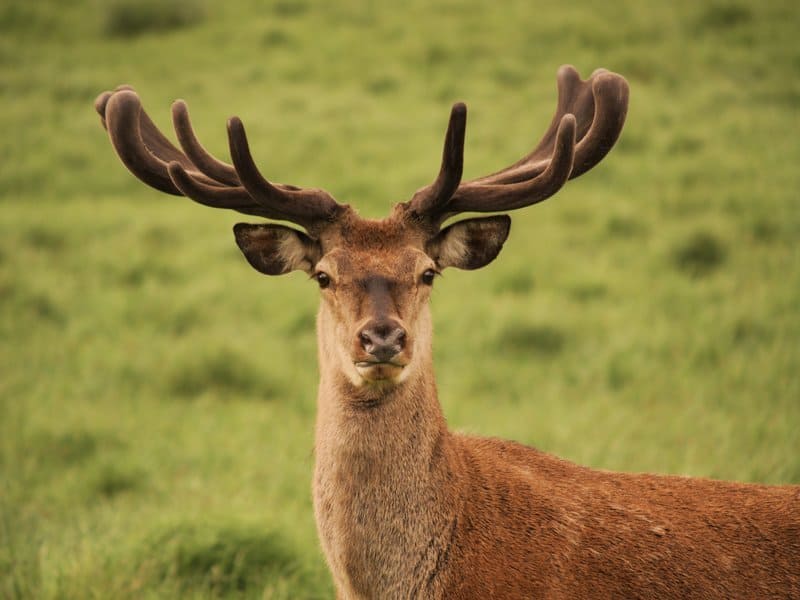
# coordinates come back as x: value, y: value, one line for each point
x: 471, y: 243
x: 275, y: 249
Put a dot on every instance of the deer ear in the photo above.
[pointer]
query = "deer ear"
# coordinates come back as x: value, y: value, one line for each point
x: 275, y: 249
x: 471, y: 243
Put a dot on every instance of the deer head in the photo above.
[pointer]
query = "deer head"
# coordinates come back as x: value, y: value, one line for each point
x: 374, y: 276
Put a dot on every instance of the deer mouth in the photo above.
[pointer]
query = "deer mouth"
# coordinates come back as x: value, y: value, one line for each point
x: 373, y: 371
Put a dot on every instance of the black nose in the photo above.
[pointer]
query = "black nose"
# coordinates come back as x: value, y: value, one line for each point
x: 382, y: 339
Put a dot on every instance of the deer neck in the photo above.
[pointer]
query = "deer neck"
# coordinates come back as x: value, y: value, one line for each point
x: 381, y: 473
x: 349, y: 415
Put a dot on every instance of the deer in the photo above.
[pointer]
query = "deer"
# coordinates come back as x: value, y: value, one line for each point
x: 405, y: 507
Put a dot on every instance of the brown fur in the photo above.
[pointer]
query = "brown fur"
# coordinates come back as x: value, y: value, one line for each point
x: 406, y: 508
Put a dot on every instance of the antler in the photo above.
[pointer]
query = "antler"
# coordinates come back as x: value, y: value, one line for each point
x: 588, y: 120
x: 195, y: 173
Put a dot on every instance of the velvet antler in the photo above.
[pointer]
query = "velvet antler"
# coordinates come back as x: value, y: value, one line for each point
x: 588, y: 120
x: 195, y: 173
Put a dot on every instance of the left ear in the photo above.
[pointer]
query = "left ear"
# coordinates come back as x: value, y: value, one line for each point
x: 469, y: 244
x: 275, y: 249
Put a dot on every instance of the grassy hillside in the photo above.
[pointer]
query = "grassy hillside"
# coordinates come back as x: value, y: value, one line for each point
x: 157, y: 394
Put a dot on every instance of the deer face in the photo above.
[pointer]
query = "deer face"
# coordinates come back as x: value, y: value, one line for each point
x: 375, y: 280
x: 374, y: 310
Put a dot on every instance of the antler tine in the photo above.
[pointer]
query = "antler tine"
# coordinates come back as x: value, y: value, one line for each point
x: 436, y: 195
x: 100, y: 107
x: 610, y: 92
x: 102, y: 100
x: 306, y: 207
x: 570, y: 96
x: 139, y: 143
x: 204, y: 161
x: 493, y: 197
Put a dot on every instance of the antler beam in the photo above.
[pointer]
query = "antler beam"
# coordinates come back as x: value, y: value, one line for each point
x: 198, y: 175
x: 588, y: 120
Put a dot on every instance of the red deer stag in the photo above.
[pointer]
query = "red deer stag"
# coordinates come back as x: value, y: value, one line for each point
x: 404, y: 507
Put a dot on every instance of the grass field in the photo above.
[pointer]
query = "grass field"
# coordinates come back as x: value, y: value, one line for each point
x: 157, y: 395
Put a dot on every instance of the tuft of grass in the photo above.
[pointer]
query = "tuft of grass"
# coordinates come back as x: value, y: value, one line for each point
x: 625, y: 227
x: 110, y: 480
x: 215, y: 560
x: 302, y: 324
x: 509, y: 77
x: 223, y: 372
x: 159, y: 237
x: 749, y: 331
x: 765, y: 230
x: 44, y: 308
x: 184, y: 320
x: 45, y: 238
x: 588, y: 291
x: 684, y: 144
x: 61, y: 449
x: 275, y: 38
x: 129, y: 18
x: 618, y: 372
x: 382, y: 85
x: 20, y: 564
x: 719, y: 15
x: 136, y: 274
x: 699, y: 255
x: 289, y: 8
x: 519, y: 282
x: 541, y: 340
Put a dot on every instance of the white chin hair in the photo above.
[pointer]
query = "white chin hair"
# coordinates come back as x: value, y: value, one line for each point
x: 381, y: 374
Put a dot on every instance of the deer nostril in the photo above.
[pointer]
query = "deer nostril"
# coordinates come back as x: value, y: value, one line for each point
x: 400, y: 338
x: 366, y: 340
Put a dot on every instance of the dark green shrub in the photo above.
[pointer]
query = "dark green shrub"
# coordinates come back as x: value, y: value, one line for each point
x: 699, y: 255
x: 129, y: 18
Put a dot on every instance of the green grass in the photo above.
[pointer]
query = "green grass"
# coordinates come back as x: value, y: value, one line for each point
x: 157, y: 394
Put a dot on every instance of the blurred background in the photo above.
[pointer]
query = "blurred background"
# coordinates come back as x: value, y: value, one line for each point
x: 157, y: 395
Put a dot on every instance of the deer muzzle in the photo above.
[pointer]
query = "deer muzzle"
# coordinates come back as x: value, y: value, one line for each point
x: 381, y: 340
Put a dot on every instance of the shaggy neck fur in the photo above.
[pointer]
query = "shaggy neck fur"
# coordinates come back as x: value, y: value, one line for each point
x: 381, y: 481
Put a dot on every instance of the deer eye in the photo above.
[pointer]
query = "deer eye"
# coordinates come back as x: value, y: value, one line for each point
x: 323, y: 279
x: 428, y: 276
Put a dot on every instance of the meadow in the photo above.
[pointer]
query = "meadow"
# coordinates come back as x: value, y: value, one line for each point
x: 157, y: 395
